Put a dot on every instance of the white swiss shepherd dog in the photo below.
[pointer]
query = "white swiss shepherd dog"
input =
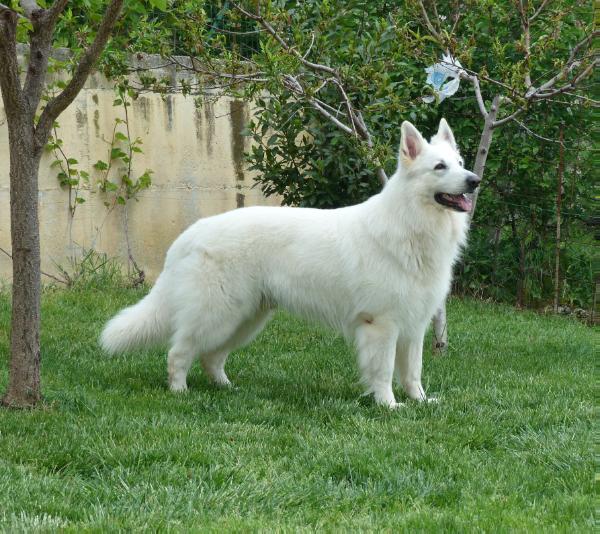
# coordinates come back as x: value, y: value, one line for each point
x: 376, y: 272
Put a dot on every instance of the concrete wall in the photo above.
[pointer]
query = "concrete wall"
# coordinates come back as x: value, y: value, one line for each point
x: 196, y: 154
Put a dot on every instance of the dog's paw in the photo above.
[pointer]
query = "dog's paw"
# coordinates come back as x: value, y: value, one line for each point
x: 178, y: 388
x: 389, y: 403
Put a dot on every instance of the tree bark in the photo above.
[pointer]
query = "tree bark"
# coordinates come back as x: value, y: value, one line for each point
x: 485, y: 141
x: 24, y: 375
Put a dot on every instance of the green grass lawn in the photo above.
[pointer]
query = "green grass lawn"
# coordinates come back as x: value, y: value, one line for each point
x: 294, y: 446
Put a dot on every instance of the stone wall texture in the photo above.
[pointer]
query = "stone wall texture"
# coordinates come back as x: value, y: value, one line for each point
x: 196, y: 154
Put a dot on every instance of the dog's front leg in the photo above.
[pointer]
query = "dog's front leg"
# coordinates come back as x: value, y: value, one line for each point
x: 409, y: 364
x: 376, y: 345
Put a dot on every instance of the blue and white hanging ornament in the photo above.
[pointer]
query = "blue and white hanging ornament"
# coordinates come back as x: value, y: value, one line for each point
x: 437, y: 75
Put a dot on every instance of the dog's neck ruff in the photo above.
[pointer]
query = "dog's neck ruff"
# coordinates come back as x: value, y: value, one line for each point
x: 412, y: 217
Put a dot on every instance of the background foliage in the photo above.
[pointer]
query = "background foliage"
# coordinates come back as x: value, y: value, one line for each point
x: 380, y: 50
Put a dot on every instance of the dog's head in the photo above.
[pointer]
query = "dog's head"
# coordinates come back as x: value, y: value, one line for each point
x: 435, y: 169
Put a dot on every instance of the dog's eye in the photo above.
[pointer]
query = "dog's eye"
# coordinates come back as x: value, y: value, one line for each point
x: 440, y: 166
x: 461, y: 163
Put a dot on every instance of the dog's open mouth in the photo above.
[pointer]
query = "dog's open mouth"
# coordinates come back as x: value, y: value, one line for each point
x: 456, y: 202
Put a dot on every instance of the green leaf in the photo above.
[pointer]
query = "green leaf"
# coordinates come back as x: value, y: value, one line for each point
x: 109, y: 186
x: 159, y: 4
x: 117, y: 153
x: 100, y: 165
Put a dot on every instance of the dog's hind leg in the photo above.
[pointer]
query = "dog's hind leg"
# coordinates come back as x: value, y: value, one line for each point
x: 409, y: 364
x: 213, y: 363
x: 194, y: 337
x: 179, y: 360
x: 376, y: 345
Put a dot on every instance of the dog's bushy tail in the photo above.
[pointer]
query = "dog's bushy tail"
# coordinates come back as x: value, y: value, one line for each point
x: 143, y: 324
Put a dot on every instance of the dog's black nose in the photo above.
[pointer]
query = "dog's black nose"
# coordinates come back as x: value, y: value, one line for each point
x: 473, y: 181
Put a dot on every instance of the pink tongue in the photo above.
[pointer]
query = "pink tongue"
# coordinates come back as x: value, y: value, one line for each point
x: 465, y: 202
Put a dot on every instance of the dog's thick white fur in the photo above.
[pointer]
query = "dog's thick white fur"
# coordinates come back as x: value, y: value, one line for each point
x: 376, y: 272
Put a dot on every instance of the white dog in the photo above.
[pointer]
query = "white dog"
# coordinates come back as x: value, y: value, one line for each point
x: 376, y: 272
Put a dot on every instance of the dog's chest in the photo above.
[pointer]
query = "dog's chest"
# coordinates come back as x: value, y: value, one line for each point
x: 428, y: 256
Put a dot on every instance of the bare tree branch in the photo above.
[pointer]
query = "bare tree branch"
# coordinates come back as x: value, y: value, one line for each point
x: 231, y: 32
x: 456, y: 19
x: 526, y: 42
x: 538, y: 11
x: 317, y: 105
x: 538, y: 95
x: 428, y: 23
x: 58, y: 104
x: 45, y: 274
x: 480, y: 77
x: 312, y: 42
x: 292, y: 84
x: 267, y: 26
x: 43, y: 22
x: 508, y: 118
x: 593, y: 102
x: 475, y: 82
x: 195, y: 66
x: 570, y: 64
x: 351, y: 114
x: 532, y: 133
x: 380, y: 171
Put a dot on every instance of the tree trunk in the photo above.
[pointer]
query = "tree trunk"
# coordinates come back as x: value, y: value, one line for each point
x: 440, y: 331
x: 495, y: 259
x: 521, y: 280
x: 24, y: 376
x: 27, y: 140
x: 485, y: 142
x: 440, y: 326
x: 520, y: 247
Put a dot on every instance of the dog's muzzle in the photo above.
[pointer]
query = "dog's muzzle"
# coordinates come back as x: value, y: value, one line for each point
x: 461, y: 202
x: 473, y: 181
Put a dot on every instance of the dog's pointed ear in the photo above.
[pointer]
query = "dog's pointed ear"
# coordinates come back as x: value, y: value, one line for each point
x: 411, y: 142
x: 445, y: 134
